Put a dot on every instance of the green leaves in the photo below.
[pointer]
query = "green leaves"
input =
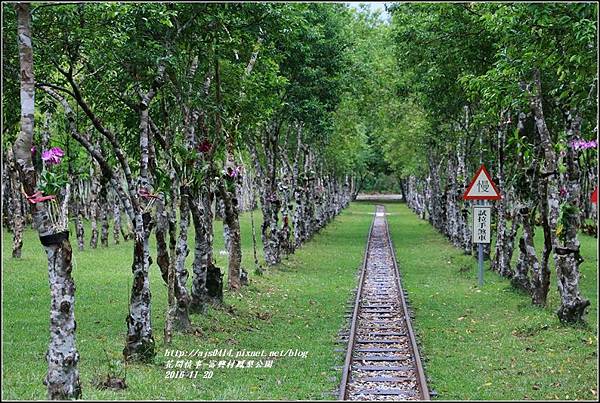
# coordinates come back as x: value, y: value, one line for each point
x: 162, y: 181
x: 51, y: 183
x: 372, y: 96
x: 481, y: 56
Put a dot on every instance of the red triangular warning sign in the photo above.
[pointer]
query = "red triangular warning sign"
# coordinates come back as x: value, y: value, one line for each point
x: 482, y: 187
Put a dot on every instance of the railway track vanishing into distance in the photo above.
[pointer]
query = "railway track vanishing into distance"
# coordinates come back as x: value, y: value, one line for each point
x: 382, y: 358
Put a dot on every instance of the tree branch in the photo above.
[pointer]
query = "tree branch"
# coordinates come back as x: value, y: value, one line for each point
x: 107, y: 170
x: 105, y: 132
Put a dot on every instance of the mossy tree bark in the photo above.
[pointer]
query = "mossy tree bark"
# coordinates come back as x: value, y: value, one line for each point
x: 62, y: 379
x: 566, y: 251
x: 15, y: 205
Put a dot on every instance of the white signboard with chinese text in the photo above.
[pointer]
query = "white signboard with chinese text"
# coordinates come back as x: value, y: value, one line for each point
x: 482, y: 218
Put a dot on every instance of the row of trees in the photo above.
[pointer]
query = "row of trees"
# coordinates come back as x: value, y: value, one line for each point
x: 159, y: 116
x: 91, y: 199
x: 167, y: 112
x: 514, y: 86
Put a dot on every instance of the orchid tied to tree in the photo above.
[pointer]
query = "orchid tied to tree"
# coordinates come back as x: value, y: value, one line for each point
x: 52, y: 181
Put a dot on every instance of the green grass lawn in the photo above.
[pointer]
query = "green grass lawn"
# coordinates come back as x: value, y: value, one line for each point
x: 477, y: 344
x: 491, y: 343
x: 298, y: 305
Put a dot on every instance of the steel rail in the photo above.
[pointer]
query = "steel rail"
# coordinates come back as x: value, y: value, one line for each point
x: 351, y: 336
x: 421, y: 378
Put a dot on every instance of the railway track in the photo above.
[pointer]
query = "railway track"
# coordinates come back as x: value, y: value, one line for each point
x: 382, y: 357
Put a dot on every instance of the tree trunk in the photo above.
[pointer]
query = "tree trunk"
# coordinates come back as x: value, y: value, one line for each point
x: 202, y: 252
x: 232, y: 221
x: 257, y: 267
x: 162, y: 227
x: 182, y: 318
x: 103, y: 216
x: 207, y: 282
x: 227, y: 189
x: 79, y: 229
x: 541, y: 277
x: 452, y: 210
x: 214, y: 276
x: 527, y: 257
x: 298, y: 217
x: 566, y: 252
x: 520, y: 277
x: 226, y: 231
x: 403, y: 192
x: 312, y: 212
x: 171, y: 275
x: 550, y: 171
x: 287, y: 190
x: 7, y: 191
x: 62, y: 379
x: 428, y: 198
x: 563, y: 235
x: 15, y: 205
x: 465, y: 236
x: 270, y: 200
x: 140, y: 342
x: 252, y: 184
x: 117, y: 228
x: 548, y: 192
x: 523, y: 192
x: 95, y: 210
x: 500, y: 263
x: 437, y: 198
x: 270, y: 229
x: 297, y: 189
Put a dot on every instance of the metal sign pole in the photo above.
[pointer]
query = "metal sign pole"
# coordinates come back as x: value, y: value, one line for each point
x: 480, y: 255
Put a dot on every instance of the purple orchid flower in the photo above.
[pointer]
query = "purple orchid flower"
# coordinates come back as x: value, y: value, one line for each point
x: 583, y: 145
x: 234, y: 172
x: 53, y: 156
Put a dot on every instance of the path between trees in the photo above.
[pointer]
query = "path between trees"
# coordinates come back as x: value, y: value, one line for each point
x: 379, y: 196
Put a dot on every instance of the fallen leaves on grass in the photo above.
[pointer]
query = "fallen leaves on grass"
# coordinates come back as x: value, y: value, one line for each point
x: 590, y: 341
x: 264, y: 315
x: 528, y: 331
x: 110, y: 382
x: 196, y: 331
